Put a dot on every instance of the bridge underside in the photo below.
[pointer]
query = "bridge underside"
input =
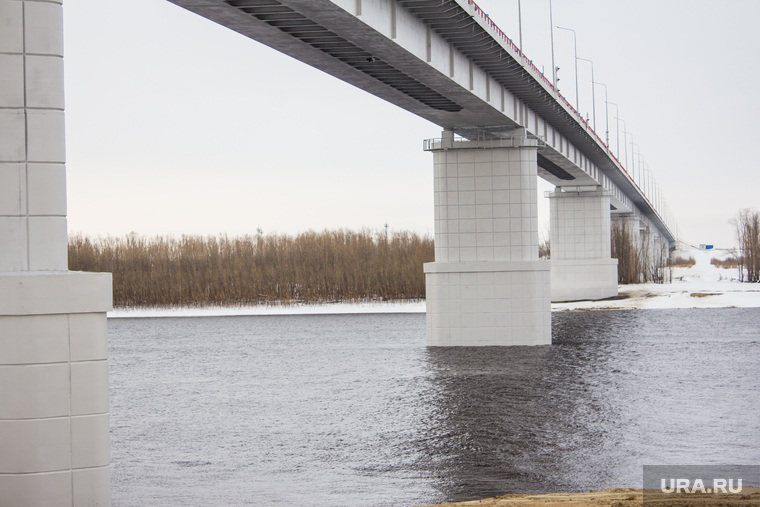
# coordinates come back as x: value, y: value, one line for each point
x: 440, y: 60
x: 446, y: 62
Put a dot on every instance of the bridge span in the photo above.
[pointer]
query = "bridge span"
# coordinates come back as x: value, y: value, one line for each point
x: 504, y: 124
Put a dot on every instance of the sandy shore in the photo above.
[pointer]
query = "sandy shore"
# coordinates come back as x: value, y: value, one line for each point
x: 614, y: 498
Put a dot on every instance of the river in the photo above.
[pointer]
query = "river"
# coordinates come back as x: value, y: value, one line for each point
x: 339, y: 410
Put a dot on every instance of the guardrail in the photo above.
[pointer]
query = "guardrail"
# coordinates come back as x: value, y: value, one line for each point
x: 442, y: 143
x: 653, y: 196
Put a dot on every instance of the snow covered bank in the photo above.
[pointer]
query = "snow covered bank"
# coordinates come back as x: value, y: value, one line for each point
x: 297, y: 309
x: 701, y: 286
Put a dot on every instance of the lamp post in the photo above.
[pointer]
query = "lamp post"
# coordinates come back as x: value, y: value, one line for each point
x: 634, y: 153
x: 519, y: 23
x: 617, y: 128
x: 593, y: 96
x: 551, y: 32
x: 647, y: 183
x: 625, y: 143
x: 575, y: 51
x: 606, y: 114
x: 652, y: 187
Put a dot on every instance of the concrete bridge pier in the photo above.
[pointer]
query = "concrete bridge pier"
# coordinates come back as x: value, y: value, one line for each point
x: 486, y: 286
x: 582, y: 268
x: 54, y: 423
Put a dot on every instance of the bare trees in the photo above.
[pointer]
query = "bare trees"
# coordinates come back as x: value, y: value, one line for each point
x: 747, y: 225
x: 642, y: 255
x: 626, y: 251
x: 544, y: 249
x: 329, y: 266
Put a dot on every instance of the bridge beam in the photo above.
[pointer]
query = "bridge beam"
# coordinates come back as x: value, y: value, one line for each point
x: 486, y: 286
x: 582, y: 268
x: 54, y: 423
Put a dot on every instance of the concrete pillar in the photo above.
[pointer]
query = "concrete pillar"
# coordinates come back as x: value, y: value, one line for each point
x: 54, y: 428
x: 486, y: 286
x: 582, y: 268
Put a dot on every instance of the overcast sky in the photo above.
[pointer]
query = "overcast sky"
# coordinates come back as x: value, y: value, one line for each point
x: 176, y: 125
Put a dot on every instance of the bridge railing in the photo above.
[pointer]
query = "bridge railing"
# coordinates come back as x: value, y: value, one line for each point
x: 454, y: 142
x: 650, y: 193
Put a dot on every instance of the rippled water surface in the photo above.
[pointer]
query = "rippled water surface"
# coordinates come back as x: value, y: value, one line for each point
x: 339, y: 410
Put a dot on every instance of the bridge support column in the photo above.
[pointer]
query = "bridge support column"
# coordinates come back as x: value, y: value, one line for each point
x: 486, y: 286
x: 54, y: 424
x: 580, y: 246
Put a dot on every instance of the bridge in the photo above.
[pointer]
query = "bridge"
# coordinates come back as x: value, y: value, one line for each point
x: 503, y: 123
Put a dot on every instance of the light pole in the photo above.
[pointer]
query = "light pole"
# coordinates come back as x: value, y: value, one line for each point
x: 606, y: 114
x: 593, y: 96
x: 634, y: 153
x: 625, y: 142
x: 652, y: 184
x: 575, y: 51
x: 551, y: 31
x: 519, y: 22
x: 647, y: 183
x: 617, y: 128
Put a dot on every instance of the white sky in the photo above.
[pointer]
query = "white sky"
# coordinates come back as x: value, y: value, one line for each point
x: 176, y: 125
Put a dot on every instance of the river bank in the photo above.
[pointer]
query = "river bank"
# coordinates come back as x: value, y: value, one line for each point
x: 703, y: 285
x: 700, y: 286
x: 615, y: 497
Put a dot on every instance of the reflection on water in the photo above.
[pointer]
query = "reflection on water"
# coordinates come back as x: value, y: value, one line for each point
x: 616, y: 390
x: 335, y: 410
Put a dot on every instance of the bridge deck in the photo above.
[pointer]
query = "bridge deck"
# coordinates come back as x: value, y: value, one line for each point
x: 443, y: 60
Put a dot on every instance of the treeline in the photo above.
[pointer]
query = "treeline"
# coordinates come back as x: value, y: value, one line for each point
x: 681, y: 262
x: 628, y: 254
x: 312, y: 267
x: 640, y: 258
x: 730, y: 263
x: 748, y: 233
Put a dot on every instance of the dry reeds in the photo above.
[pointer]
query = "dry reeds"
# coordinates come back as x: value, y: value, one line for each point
x: 730, y: 263
x: 311, y: 267
x: 748, y: 232
x: 626, y: 251
x: 681, y: 262
x: 544, y: 249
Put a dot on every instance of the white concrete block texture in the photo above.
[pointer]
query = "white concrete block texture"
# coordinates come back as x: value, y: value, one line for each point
x: 487, y: 286
x: 584, y: 280
x: 582, y: 268
x: 54, y: 415
x: 32, y: 144
x: 54, y: 429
